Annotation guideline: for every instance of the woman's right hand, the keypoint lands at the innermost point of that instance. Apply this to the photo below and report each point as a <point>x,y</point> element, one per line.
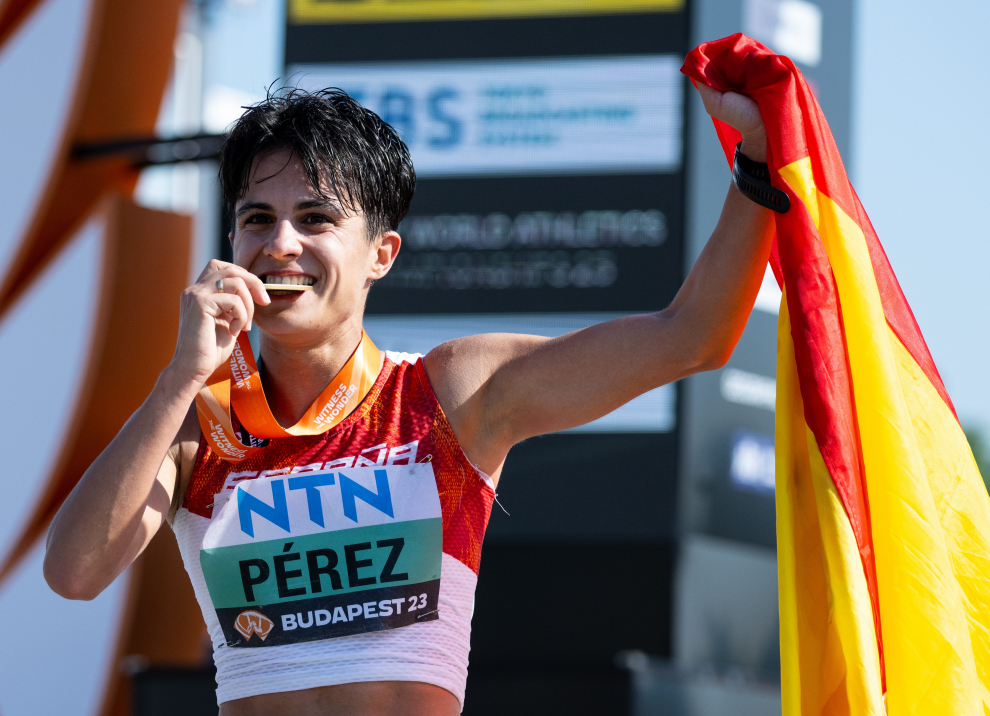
<point>120,502</point>
<point>210,321</point>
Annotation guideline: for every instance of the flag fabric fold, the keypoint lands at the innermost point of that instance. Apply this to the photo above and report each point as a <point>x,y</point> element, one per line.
<point>883,520</point>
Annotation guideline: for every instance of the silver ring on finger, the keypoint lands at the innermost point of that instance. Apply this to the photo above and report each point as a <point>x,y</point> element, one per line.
<point>219,285</point>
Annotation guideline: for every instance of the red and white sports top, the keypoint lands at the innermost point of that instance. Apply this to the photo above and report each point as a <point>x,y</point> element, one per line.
<point>303,587</point>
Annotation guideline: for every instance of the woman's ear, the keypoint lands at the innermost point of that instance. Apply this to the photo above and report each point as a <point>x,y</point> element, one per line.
<point>386,248</point>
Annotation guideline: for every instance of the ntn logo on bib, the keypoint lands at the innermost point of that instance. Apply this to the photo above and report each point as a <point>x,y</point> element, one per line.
<point>287,546</point>
<point>279,506</point>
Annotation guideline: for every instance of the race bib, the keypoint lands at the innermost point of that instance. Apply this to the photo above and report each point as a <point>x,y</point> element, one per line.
<point>317,555</point>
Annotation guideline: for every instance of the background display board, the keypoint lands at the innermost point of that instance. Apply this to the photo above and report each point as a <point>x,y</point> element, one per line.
<point>549,144</point>
<point>549,151</point>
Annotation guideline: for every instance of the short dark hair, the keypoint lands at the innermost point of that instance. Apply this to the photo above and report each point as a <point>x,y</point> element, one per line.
<point>338,142</point>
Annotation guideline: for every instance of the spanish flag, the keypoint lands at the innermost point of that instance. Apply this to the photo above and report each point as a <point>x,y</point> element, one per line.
<point>883,521</point>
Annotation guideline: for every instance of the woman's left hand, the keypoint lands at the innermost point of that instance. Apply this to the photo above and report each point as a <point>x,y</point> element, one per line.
<point>741,112</point>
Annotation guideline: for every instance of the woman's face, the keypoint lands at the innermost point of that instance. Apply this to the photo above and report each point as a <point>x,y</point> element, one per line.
<point>285,231</point>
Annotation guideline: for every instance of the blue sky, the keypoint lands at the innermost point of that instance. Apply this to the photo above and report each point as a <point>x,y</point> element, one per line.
<point>922,98</point>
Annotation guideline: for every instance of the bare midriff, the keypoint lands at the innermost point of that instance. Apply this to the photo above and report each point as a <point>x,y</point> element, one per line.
<point>396,698</point>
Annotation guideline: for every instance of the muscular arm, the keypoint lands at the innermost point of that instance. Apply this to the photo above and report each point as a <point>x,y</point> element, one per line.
<point>499,389</point>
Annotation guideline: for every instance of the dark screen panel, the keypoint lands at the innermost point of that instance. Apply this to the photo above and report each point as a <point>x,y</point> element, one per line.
<point>586,488</point>
<point>479,39</point>
<point>575,605</point>
<point>541,690</point>
<point>538,244</point>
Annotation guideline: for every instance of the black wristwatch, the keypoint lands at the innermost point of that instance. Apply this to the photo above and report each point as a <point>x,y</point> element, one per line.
<point>753,180</point>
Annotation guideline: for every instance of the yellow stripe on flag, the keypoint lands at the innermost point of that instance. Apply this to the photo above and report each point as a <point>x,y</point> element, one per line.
<point>960,499</point>
<point>928,647</point>
<point>829,658</point>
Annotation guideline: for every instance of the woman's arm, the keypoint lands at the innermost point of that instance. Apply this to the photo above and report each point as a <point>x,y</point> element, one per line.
<point>124,496</point>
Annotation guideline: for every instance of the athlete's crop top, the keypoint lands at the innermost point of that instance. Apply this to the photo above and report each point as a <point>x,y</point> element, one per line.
<point>318,561</point>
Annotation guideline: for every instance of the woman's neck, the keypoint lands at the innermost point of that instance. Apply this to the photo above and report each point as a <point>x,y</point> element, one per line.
<point>294,375</point>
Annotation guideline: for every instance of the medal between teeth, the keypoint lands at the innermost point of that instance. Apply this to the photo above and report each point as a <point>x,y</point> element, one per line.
<point>288,287</point>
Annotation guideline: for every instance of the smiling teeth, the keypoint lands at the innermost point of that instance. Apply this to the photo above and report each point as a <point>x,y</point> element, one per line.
<point>289,280</point>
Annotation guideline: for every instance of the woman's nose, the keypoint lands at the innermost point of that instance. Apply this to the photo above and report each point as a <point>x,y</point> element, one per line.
<point>284,242</point>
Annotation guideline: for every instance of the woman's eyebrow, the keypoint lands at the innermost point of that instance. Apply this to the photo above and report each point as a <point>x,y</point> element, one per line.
<point>252,206</point>
<point>319,204</point>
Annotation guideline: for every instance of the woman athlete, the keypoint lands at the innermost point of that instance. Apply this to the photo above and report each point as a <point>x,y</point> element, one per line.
<point>336,560</point>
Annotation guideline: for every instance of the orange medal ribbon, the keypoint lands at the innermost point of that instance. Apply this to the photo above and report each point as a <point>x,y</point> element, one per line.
<point>237,383</point>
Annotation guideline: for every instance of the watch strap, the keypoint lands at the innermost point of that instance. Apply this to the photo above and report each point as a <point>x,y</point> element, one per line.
<point>753,180</point>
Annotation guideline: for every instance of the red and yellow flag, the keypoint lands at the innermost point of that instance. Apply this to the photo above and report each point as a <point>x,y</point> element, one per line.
<point>883,521</point>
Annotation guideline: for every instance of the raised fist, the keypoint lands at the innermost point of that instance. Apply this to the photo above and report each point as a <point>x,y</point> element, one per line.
<point>740,112</point>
